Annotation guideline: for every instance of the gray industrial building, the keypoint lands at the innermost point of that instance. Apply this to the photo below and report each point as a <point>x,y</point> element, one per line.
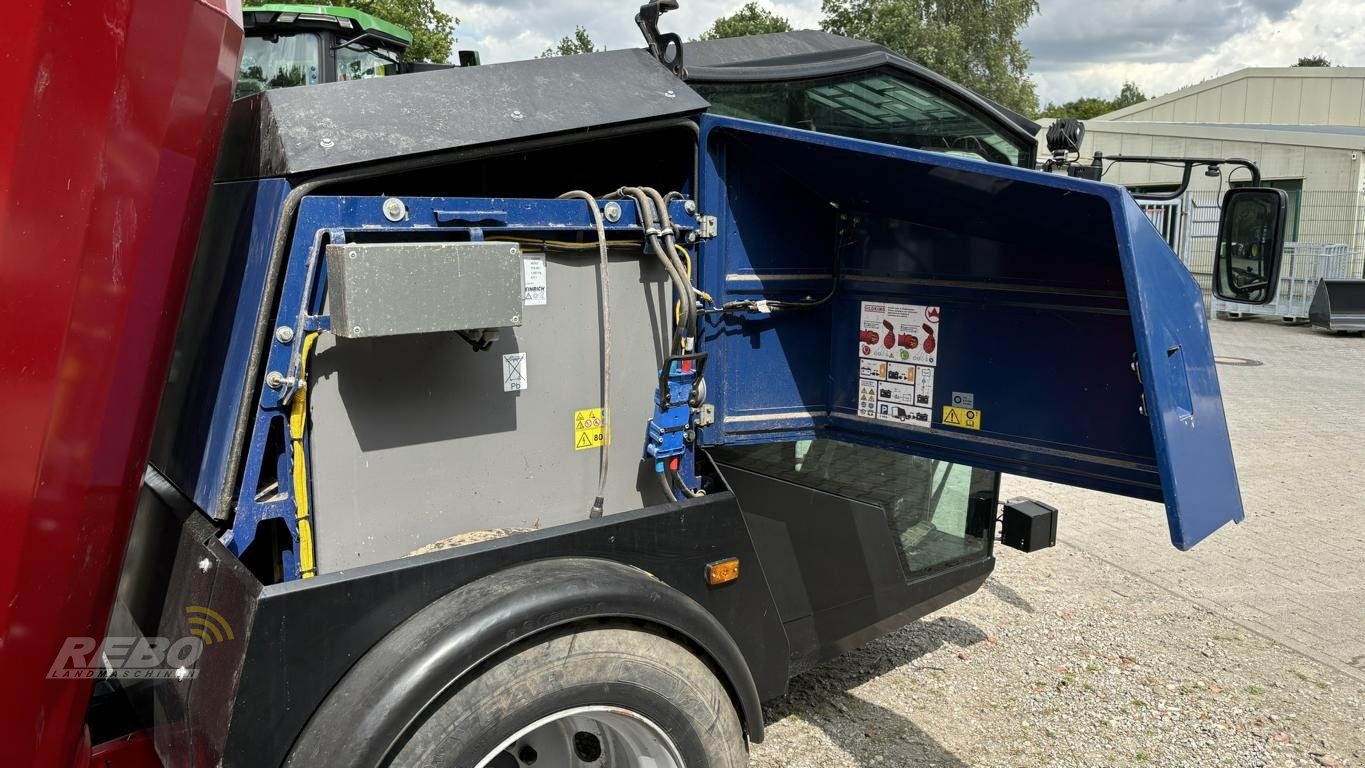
<point>1304,127</point>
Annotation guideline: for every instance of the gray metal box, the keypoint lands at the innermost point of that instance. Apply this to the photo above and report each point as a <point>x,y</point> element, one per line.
<point>393,289</point>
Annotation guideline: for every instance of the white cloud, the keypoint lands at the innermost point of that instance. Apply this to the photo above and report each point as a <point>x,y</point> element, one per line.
<point>522,29</point>
<point>1334,28</point>
<point>1079,47</point>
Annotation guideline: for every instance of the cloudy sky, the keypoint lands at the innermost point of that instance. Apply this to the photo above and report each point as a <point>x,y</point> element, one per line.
<point>1080,47</point>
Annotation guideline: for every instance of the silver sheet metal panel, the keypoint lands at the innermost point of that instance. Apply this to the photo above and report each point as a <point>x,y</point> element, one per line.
<point>398,288</point>
<point>415,438</point>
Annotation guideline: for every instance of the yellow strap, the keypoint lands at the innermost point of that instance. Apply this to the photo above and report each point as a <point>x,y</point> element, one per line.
<point>298,418</point>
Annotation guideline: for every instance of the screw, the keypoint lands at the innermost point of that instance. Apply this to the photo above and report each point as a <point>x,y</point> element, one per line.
<point>513,250</point>
<point>351,254</point>
<point>690,206</point>
<point>516,318</point>
<point>395,210</point>
<point>327,142</point>
<point>517,115</point>
<point>669,94</point>
<point>355,329</point>
<point>205,565</point>
<point>612,212</point>
<point>274,379</point>
<point>284,334</point>
<point>691,237</point>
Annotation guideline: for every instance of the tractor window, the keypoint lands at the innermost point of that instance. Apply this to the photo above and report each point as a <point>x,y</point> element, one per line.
<point>362,64</point>
<point>927,503</point>
<point>877,106</point>
<point>278,61</point>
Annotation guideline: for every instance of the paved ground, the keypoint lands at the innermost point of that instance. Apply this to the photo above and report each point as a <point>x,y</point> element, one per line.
<point>1114,648</point>
<point>1295,570</point>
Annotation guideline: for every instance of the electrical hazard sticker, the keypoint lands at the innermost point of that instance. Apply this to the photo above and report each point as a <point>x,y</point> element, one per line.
<point>898,347</point>
<point>589,430</point>
<point>961,417</point>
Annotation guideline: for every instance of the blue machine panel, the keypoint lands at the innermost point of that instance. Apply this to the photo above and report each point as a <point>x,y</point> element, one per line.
<point>1068,342</point>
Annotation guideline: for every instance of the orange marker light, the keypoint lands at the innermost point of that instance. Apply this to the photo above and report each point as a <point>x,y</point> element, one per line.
<point>722,571</point>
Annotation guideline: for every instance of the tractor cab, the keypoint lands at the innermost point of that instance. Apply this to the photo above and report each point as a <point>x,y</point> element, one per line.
<point>287,45</point>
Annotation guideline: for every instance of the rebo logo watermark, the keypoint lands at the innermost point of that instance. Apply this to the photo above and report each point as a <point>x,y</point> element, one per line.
<point>143,658</point>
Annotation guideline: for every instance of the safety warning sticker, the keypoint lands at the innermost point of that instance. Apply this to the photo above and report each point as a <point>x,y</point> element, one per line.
<point>965,418</point>
<point>898,347</point>
<point>589,430</point>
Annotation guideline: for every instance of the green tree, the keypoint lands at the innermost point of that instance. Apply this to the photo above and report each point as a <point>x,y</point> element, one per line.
<point>568,45</point>
<point>751,19</point>
<point>1313,61</point>
<point>973,42</point>
<point>433,32</point>
<point>1094,106</point>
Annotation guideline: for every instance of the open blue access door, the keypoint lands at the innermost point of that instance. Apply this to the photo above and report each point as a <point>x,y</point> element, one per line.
<point>941,305</point>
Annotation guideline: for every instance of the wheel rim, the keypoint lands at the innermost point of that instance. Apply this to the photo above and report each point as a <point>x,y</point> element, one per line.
<point>616,737</point>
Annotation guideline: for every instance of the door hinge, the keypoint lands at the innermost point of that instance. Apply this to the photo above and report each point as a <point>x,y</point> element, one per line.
<point>706,227</point>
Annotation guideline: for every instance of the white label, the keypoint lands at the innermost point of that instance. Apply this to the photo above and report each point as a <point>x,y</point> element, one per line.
<point>533,272</point>
<point>898,348</point>
<point>514,372</point>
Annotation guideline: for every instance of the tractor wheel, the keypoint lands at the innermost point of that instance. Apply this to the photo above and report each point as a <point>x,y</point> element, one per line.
<point>602,697</point>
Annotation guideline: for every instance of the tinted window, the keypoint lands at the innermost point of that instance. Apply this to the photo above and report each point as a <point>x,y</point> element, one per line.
<point>927,503</point>
<point>878,107</point>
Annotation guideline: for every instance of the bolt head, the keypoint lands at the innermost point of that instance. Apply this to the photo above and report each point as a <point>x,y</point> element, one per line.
<point>691,237</point>
<point>394,209</point>
<point>356,330</point>
<point>670,95</point>
<point>612,212</point>
<point>516,318</point>
<point>690,206</point>
<point>327,142</point>
<point>517,115</point>
<point>274,379</point>
<point>284,334</point>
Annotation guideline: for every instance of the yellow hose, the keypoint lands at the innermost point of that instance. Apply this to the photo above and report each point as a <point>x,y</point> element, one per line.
<point>298,418</point>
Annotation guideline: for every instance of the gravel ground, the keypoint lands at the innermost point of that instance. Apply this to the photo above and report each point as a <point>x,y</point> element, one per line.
<point>1063,660</point>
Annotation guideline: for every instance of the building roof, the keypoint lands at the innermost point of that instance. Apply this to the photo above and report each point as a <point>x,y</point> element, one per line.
<point>1262,95</point>
<point>1329,136</point>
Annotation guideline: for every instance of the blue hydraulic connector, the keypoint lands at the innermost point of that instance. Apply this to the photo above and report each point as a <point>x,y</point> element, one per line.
<point>673,402</point>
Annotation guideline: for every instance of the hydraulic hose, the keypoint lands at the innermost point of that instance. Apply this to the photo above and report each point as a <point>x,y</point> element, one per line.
<point>680,284</point>
<point>605,284</point>
<point>670,246</point>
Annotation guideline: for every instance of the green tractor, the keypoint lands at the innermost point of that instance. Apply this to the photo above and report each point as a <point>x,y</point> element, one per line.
<point>287,45</point>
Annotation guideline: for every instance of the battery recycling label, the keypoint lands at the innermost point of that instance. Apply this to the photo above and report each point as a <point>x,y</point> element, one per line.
<point>898,348</point>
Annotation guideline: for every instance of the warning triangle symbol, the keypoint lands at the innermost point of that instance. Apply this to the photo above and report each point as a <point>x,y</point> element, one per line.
<point>952,417</point>
<point>583,441</point>
<point>578,424</point>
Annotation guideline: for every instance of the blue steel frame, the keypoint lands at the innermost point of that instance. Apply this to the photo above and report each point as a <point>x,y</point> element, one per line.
<point>325,220</point>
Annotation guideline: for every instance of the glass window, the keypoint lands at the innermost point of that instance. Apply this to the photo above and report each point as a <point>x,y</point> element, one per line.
<point>875,106</point>
<point>361,64</point>
<point>277,61</point>
<point>927,503</point>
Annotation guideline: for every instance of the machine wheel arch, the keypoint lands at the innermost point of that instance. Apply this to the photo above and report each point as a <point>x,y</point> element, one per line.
<point>425,660</point>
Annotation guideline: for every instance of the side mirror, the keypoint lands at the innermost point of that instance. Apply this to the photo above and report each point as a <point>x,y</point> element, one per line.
<point>1246,267</point>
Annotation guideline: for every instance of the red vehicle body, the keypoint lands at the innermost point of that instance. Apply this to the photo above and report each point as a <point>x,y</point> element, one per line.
<point>109,127</point>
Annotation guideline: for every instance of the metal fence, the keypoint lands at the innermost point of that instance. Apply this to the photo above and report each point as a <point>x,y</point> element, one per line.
<point>1317,222</point>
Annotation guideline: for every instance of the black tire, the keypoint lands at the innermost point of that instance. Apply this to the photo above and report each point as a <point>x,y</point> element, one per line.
<point>636,670</point>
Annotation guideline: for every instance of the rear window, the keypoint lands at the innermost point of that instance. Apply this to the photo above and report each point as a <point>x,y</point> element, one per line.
<point>877,106</point>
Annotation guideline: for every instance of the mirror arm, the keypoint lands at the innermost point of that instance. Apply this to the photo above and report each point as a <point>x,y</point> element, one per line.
<point>1189,164</point>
